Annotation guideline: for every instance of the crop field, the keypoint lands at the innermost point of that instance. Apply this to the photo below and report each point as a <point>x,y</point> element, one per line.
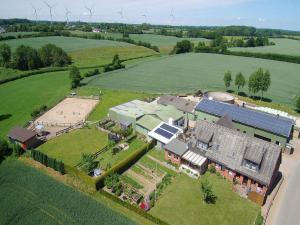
<point>19,98</point>
<point>15,34</point>
<point>104,55</point>
<point>229,208</point>
<point>67,43</point>
<point>191,72</point>
<point>282,46</point>
<point>69,147</point>
<point>29,196</point>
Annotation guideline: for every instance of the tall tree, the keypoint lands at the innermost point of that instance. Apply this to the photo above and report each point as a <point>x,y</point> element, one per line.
<point>253,83</point>
<point>227,79</point>
<point>240,80</point>
<point>183,47</point>
<point>5,55</point>
<point>75,77</point>
<point>265,82</point>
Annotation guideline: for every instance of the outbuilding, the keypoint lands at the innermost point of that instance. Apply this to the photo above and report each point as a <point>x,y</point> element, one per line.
<point>24,137</point>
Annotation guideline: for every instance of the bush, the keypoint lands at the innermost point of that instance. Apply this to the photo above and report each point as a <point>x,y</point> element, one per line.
<point>4,148</point>
<point>39,111</point>
<point>92,73</point>
<point>212,169</point>
<point>208,196</point>
<point>17,150</point>
<point>259,220</point>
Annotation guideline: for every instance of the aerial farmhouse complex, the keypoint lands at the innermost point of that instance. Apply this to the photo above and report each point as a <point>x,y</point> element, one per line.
<point>242,144</point>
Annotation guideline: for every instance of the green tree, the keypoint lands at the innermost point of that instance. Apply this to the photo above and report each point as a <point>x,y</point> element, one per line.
<point>265,82</point>
<point>227,79</point>
<point>208,196</point>
<point>239,80</point>
<point>88,164</point>
<point>254,83</point>
<point>4,148</point>
<point>5,55</point>
<point>183,47</point>
<point>75,77</point>
<point>298,104</point>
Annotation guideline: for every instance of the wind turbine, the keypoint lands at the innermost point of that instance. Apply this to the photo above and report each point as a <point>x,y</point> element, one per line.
<point>121,13</point>
<point>172,16</point>
<point>145,17</point>
<point>90,10</point>
<point>68,12</point>
<point>50,9</point>
<point>35,12</point>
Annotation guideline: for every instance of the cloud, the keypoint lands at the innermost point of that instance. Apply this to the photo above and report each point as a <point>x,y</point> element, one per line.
<point>261,20</point>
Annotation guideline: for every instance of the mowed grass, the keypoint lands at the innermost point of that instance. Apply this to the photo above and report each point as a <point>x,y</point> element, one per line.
<point>109,98</point>
<point>104,55</point>
<point>70,147</point>
<point>19,98</point>
<point>190,72</point>
<point>282,46</point>
<point>29,196</point>
<point>67,43</point>
<point>182,203</point>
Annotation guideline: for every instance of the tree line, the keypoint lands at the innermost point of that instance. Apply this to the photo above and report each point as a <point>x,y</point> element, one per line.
<point>28,58</point>
<point>259,81</point>
<point>48,161</point>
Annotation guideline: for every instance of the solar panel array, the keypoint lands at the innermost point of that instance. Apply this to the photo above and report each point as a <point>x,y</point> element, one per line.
<point>274,124</point>
<point>163,133</point>
<point>166,127</point>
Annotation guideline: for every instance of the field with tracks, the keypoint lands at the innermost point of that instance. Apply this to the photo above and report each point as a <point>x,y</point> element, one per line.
<point>282,46</point>
<point>190,72</point>
<point>28,196</point>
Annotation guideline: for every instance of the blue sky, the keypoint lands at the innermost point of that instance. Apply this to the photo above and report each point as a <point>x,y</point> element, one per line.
<point>284,14</point>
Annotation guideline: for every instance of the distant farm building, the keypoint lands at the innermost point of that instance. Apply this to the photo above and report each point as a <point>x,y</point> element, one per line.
<point>2,30</point>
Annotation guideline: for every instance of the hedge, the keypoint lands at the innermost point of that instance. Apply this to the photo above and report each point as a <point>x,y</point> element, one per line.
<point>124,164</point>
<point>133,208</point>
<point>48,161</point>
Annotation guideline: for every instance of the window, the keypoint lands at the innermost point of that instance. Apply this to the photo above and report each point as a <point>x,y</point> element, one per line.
<point>169,154</point>
<point>176,157</point>
<point>202,145</point>
<point>250,165</point>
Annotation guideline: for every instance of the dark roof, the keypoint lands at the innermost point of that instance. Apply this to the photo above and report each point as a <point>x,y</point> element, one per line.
<point>234,147</point>
<point>264,121</point>
<point>226,121</point>
<point>176,146</point>
<point>21,134</point>
<point>179,103</point>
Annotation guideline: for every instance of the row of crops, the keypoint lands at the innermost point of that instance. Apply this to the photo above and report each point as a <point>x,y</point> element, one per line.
<point>31,197</point>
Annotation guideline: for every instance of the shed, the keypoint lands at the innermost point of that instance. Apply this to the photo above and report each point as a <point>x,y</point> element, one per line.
<point>26,138</point>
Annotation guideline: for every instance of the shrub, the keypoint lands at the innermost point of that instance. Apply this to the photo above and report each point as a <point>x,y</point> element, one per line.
<point>212,169</point>
<point>4,148</point>
<point>208,196</point>
<point>37,112</point>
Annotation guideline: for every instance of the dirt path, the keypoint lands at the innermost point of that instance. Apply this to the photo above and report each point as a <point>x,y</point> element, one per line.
<point>149,186</point>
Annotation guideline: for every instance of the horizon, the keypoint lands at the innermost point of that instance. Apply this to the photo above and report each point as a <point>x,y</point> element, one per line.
<point>259,14</point>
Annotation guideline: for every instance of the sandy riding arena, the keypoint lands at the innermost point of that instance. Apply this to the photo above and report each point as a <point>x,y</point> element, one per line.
<point>68,112</point>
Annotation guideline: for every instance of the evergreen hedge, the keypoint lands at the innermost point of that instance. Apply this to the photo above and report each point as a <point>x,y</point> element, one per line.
<point>48,161</point>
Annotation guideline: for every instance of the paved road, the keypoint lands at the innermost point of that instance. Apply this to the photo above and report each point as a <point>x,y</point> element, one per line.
<point>289,213</point>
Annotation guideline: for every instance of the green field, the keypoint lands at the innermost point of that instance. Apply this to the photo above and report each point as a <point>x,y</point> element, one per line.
<point>182,203</point>
<point>282,46</point>
<point>67,43</point>
<point>104,55</point>
<point>29,196</point>
<point>69,147</point>
<point>190,72</point>
<point>15,34</point>
<point>19,98</point>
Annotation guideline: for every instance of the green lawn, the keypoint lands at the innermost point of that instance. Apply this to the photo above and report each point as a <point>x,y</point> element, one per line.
<point>15,34</point>
<point>29,196</point>
<point>67,43</point>
<point>19,98</point>
<point>182,203</point>
<point>282,46</point>
<point>108,158</point>
<point>69,147</point>
<point>157,153</point>
<point>190,72</point>
<point>104,55</point>
<point>109,99</point>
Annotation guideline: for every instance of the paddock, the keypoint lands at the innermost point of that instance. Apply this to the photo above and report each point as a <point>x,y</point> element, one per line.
<point>68,112</point>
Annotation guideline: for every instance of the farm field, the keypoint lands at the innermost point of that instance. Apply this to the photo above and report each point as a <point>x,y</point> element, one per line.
<point>190,72</point>
<point>69,147</point>
<point>282,46</point>
<point>48,201</point>
<point>104,55</point>
<point>165,43</point>
<point>182,203</point>
<point>67,43</point>
<point>15,34</point>
<point>19,98</point>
